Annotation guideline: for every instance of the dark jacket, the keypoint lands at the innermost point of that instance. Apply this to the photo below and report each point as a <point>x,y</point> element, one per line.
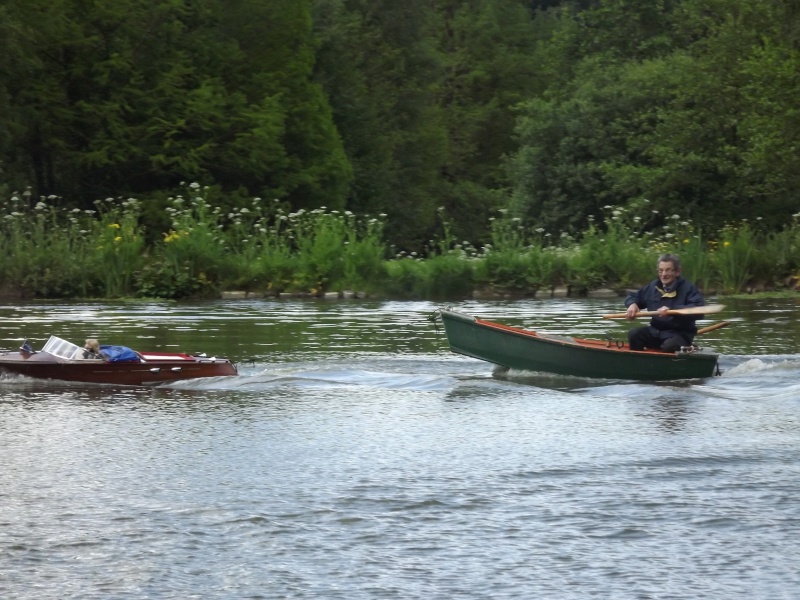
<point>651,297</point>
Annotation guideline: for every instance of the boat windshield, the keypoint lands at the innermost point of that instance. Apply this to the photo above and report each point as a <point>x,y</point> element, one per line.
<point>61,348</point>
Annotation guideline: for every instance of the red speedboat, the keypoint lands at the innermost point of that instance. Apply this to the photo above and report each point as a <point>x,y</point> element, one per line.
<point>60,359</point>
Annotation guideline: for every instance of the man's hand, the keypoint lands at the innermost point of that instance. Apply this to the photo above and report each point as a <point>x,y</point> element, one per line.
<point>662,311</point>
<point>632,311</point>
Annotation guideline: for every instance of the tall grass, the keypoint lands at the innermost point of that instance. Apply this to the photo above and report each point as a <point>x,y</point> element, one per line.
<point>697,260</point>
<point>607,255</point>
<point>733,257</point>
<point>446,272</point>
<point>48,249</point>
<point>119,243</point>
<point>512,262</point>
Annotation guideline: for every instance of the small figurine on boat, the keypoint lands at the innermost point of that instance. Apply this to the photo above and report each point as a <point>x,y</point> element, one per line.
<point>63,360</point>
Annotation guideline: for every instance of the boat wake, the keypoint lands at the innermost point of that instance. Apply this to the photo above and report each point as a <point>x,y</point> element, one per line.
<point>321,378</point>
<point>750,365</point>
<point>756,378</point>
<point>546,380</point>
<point>738,373</point>
<point>742,376</point>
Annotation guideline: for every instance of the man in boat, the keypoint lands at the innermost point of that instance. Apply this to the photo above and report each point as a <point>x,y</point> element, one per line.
<point>668,292</point>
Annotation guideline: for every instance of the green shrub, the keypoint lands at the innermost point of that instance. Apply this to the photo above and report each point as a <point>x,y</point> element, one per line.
<point>733,258</point>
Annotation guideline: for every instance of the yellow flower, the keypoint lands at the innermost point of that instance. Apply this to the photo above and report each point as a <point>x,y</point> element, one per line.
<point>114,226</point>
<point>726,244</point>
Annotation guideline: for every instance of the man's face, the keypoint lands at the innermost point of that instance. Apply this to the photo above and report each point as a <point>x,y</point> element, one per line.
<point>667,273</point>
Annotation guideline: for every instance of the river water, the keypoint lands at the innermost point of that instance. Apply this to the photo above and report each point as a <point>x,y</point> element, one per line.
<point>354,456</point>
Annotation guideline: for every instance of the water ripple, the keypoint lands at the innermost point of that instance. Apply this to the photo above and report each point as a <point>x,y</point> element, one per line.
<point>385,467</point>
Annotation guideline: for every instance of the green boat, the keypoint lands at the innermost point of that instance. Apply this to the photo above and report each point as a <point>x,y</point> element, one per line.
<point>526,350</point>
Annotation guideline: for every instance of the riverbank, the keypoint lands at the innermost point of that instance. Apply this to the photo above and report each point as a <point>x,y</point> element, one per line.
<point>560,292</point>
<point>10,293</point>
<point>262,251</point>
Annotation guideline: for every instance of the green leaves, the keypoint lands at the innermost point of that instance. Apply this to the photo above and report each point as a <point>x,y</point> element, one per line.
<point>402,107</point>
<point>129,97</point>
<point>703,121</point>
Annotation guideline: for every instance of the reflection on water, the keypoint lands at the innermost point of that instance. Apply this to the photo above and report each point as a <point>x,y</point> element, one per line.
<point>672,414</point>
<point>356,457</point>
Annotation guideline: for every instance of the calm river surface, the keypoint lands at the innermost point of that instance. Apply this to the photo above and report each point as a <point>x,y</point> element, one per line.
<point>354,456</point>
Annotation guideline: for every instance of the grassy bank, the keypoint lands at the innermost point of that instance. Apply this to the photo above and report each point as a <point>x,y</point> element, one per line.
<point>193,250</point>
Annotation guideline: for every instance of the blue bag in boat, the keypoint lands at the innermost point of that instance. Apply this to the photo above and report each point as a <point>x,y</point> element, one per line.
<point>119,354</point>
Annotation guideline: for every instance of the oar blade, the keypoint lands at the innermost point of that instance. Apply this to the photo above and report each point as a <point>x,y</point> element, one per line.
<point>698,310</point>
<point>692,310</point>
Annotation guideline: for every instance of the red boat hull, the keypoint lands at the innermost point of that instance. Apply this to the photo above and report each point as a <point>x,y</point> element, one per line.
<point>152,369</point>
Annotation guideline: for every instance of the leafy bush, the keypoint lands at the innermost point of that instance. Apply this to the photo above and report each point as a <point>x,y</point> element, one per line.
<point>50,250</point>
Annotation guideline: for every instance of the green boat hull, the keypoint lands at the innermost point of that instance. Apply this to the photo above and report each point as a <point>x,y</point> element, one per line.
<point>527,350</point>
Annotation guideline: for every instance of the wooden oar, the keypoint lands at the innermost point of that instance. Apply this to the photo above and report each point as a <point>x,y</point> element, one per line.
<point>713,327</point>
<point>692,310</point>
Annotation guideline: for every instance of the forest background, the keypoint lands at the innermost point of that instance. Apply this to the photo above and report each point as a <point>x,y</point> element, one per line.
<point>176,148</point>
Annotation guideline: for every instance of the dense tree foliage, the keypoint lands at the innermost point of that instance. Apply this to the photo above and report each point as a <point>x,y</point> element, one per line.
<point>130,96</point>
<point>550,108</point>
<point>692,108</point>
